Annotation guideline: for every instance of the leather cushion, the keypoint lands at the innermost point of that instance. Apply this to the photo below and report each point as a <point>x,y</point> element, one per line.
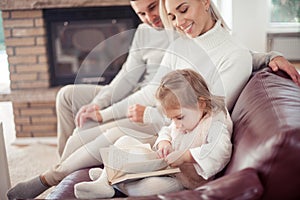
<point>243,184</point>
<point>266,136</point>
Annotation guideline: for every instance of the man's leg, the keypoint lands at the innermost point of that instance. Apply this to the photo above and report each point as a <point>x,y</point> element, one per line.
<point>69,100</point>
<point>86,156</point>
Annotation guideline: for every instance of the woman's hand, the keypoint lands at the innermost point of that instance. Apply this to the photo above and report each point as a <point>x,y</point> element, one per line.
<point>90,111</point>
<point>177,158</point>
<point>136,113</point>
<point>164,148</point>
<point>280,62</point>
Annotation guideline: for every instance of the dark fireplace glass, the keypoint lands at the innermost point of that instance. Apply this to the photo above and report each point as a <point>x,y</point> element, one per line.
<point>88,45</point>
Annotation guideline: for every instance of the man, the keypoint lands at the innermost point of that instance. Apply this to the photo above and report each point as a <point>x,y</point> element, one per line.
<point>136,72</point>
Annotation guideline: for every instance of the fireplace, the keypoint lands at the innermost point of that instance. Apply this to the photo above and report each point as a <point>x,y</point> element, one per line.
<point>29,46</point>
<point>74,34</point>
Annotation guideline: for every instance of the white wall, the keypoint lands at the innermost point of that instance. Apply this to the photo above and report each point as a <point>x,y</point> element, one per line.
<point>249,23</point>
<point>225,8</point>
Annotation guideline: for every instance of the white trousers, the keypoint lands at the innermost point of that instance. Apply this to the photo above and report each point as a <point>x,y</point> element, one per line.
<point>82,148</point>
<point>69,100</point>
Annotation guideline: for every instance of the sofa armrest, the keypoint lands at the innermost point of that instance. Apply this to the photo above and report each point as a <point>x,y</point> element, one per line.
<point>243,184</point>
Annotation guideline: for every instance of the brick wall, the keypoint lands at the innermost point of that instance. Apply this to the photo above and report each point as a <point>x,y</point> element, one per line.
<point>33,119</point>
<point>25,40</point>
<point>33,100</point>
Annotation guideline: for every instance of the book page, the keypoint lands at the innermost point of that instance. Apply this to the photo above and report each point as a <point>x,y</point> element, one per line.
<point>132,160</point>
<point>134,154</point>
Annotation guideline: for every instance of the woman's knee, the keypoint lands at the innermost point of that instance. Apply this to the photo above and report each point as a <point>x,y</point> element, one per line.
<point>126,141</point>
<point>113,134</point>
<point>76,139</point>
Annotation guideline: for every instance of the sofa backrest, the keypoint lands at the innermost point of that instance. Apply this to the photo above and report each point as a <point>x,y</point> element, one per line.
<point>266,134</point>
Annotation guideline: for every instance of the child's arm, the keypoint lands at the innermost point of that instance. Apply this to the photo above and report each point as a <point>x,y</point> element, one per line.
<point>213,156</point>
<point>177,158</point>
<point>163,135</point>
<point>163,144</point>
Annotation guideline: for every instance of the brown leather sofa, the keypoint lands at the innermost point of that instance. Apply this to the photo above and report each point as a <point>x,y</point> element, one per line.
<point>266,147</point>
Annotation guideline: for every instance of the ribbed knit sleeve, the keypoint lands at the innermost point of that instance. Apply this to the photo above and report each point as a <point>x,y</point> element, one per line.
<point>213,156</point>
<point>128,77</point>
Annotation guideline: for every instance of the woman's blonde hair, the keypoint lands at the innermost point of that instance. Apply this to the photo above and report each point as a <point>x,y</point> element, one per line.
<point>187,88</point>
<point>215,14</point>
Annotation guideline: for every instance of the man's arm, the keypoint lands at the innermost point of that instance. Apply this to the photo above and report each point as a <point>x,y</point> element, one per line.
<point>121,86</point>
<point>128,77</point>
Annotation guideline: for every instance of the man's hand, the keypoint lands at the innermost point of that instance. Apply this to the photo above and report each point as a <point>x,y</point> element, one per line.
<point>177,158</point>
<point>90,111</point>
<point>280,62</point>
<point>136,113</point>
<point>164,148</point>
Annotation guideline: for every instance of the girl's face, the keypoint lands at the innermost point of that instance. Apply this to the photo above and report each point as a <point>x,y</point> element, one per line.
<point>148,12</point>
<point>190,16</point>
<point>185,119</point>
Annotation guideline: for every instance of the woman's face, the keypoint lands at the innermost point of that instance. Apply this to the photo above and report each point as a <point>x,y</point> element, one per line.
<point>190,16</point>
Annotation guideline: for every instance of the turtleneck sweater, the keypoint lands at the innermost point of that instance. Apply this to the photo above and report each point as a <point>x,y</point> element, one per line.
<point>223,62</point>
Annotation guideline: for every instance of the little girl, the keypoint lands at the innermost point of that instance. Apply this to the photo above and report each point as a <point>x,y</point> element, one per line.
<point>197,141</point>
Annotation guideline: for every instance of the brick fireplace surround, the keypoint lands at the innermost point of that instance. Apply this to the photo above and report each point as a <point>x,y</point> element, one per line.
<point>25,38</point>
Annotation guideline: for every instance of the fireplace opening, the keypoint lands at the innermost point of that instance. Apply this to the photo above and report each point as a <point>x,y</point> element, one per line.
<point>88,45</point>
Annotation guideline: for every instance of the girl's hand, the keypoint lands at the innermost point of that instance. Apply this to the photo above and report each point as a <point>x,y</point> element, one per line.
<point>177,158</point>
<point>164,148</point>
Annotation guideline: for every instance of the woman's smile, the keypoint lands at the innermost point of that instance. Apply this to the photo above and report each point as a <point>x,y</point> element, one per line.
<point>188,29</point>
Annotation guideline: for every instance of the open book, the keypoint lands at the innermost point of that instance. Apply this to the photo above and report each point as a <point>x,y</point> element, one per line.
<point>134,162</point>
